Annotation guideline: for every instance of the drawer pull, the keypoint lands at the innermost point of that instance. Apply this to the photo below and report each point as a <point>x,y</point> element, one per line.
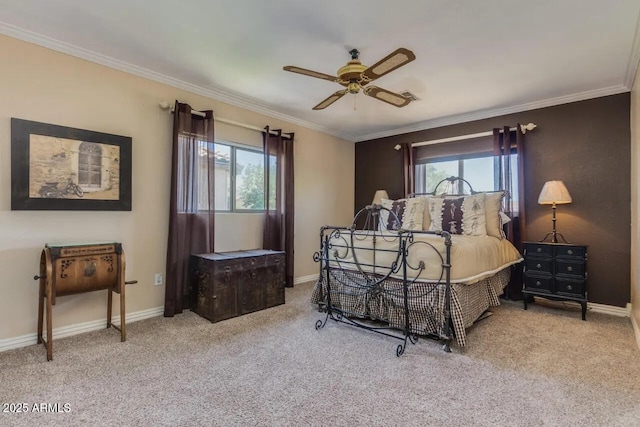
<point>569,268</point>
<point>570,252</point>
<point>538,266</point>
<point>538,283</point>
<point>569,287</point>
<point>539,249</point>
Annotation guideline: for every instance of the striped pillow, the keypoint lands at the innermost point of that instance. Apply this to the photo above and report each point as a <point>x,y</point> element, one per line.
<point>459,215</point>
<point>409,213</point>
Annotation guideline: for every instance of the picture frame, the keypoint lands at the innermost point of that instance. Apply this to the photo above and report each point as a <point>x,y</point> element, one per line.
<point>61,168</point>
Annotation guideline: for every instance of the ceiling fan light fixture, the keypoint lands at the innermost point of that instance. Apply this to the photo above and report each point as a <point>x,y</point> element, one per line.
<point>353,87</point>
<point>351,71</point>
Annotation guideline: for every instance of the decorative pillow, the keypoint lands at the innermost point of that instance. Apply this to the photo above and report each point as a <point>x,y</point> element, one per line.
<point>410,213</point>
<point>493,208</point>
<point>461,215</point>
<point>426,217</point>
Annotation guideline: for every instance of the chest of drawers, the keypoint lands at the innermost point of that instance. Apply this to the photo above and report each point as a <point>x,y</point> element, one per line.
<point>230,284</point>
<point>556,271</point>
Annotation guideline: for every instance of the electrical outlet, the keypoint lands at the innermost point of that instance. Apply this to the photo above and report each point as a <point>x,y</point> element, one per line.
<point>158,281</point>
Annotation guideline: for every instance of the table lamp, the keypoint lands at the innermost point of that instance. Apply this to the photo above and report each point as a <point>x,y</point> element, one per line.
<point>554,193</point>
<point>377,198</point>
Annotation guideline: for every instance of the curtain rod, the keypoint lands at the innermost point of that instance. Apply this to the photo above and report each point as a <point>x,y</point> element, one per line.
<point>524,128</point>
<point>166,106</point>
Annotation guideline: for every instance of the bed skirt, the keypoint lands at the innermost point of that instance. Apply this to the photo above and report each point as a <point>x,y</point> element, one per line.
<point>426,301</point>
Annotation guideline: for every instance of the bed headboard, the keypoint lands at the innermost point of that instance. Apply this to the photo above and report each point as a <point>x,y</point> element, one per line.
<point>448,188</point>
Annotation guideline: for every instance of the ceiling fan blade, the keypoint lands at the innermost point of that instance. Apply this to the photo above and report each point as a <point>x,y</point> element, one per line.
<point>387,64</point>
<point>389,97</point>
<point>310,73</point>
<point>330,100</point>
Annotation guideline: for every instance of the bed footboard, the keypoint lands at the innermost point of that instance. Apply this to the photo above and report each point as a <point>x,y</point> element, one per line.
<point>367,274</point>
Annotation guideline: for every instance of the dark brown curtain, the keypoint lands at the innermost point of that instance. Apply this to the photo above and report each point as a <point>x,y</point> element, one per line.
<point>279,207</point>
<point>408,166</point>
<point>506,143</point>
<point>192,203</point>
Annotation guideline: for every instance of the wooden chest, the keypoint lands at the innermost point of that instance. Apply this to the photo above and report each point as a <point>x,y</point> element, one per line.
<point>230,284</point>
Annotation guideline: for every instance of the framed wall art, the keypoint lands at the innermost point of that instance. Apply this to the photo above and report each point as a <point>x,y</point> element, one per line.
<point>60,168</point>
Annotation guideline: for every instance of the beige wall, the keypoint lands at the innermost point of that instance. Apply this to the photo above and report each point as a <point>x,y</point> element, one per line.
<point>46,86</point>
<point>635,202</point>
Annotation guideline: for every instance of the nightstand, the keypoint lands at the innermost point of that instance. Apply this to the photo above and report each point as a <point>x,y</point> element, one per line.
<point>556,271</point>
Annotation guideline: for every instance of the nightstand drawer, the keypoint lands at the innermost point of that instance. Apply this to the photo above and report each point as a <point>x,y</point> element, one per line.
<point>538,283</point>
<point>571,251</point>
<point>538,249</point>
<point>538,264</point>
<point>571,267</point>
<point>570,286</point>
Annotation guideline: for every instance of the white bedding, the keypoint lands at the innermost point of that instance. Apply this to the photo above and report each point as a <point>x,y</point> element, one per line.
<point>473,258</point>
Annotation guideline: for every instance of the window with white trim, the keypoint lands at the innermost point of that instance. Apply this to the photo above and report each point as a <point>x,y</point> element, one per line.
<point>239,178</point>
<point>479,169</point>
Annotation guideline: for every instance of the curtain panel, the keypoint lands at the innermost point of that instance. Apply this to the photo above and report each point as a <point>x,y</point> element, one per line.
<point>408,167</point>
<point>192,203</point>
<point>505,143</point>
<point>279,196</point>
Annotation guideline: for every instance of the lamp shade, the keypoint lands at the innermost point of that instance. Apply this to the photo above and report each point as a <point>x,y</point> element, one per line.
<point>380,194</point>
<point>554,192</point>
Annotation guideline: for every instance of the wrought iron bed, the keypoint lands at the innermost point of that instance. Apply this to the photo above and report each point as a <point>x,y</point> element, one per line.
<point>370,274</point>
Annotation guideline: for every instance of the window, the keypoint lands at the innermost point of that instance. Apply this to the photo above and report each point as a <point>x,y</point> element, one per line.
<point>239,174</point>
<point>480,170</point>
<point>90,165</point>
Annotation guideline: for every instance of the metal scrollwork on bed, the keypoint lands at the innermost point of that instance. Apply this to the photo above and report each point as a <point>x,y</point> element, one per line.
<point>368,279</point>
<point>447,186</point>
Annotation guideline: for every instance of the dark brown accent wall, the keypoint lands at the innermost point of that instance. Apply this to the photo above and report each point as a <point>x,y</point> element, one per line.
<point>586,144</point>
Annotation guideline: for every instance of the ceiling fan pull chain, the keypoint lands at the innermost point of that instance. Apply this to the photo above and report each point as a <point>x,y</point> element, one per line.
<point>354,101</point>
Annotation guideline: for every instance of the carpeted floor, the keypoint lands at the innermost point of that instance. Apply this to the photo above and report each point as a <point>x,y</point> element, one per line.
<point>541,367</point>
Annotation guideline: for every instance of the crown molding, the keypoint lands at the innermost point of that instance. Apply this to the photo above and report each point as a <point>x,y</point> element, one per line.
<point>634,58</point>
<point>255,105</point>
<point>486,114</point>
<point>214,92</point>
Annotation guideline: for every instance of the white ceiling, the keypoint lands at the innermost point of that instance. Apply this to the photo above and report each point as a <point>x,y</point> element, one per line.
<point>475,59</point>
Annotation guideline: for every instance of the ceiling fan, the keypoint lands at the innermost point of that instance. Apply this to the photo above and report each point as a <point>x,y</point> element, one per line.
<point>355,76</point>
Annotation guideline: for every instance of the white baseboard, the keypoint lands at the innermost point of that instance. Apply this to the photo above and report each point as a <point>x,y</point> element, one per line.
<point>593,307</point>
<point>305,279</point>
<point>608,309</point>
<point>636,327</point>
<point>78,328</point>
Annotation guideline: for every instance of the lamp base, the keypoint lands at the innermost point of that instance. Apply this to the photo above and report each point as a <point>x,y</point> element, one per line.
<point>554,237</point>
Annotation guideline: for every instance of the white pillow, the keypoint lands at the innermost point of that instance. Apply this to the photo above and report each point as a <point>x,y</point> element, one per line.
<point>493,208</point>
<point>410,213</point>
<point>426,217</point>
<point>504,218</point>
